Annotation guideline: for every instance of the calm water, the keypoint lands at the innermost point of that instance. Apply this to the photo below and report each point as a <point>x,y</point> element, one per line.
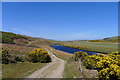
<point>69,50</point>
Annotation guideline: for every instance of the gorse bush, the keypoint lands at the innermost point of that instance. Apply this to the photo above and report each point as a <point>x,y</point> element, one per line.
<point>89,62</point>
<point>39,55</point>
<point>116,40</point>
<point>108,66</point>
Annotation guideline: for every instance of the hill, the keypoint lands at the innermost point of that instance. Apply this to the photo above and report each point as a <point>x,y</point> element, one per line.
<point>12,38</point>
<point>8,37</point>
<point>112,38</point>
<point>17,49</point>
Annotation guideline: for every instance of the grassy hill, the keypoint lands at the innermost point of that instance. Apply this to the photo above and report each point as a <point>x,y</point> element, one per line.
<point>12,38</point>
<point>115,39</point>
<point>112,38</point>
<point>19,46</point>
<point>8,37</point>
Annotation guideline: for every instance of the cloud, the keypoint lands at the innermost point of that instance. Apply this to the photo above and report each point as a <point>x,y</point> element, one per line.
<point>19,31</point>
<point>77,36</point>
<point>60,37</point>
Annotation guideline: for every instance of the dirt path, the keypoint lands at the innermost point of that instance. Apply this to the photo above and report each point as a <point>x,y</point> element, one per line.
<point>53,69</point>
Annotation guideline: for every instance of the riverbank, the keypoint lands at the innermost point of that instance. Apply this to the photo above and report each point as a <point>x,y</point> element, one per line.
<point>69,49</point>
<point>72,67</point>
<point>101,47</point>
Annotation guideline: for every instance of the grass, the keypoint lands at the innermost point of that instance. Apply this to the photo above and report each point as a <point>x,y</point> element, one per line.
<point>18,49</point>
<point>101,47</point>
<point>72,69</point>
<point>39,43</point>
<point>0,70</point>
<point>20,70</point>
<point>112,38</point>
<point>8,37</point>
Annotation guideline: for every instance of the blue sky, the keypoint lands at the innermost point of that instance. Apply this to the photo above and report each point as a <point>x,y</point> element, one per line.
<point>62,20</point>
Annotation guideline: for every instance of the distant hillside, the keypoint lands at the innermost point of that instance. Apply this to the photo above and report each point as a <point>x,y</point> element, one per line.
<point>115,39</point>
<point>12,38</point>
<point>8,37</point>
<point>112,38</point>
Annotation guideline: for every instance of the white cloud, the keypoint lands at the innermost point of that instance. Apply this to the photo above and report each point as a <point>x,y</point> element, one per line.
<point>19,31</point>
<point>77,36</point>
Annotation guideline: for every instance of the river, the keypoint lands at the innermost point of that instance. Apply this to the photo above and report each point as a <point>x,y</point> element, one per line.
<point>69,50</point>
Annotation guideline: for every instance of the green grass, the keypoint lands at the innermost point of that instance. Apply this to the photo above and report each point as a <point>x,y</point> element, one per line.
<point>94,46</point>
<point>98,44</point>
<point>72,69</point>
<point>0,69</point>
<point>112,38</point>
<point>8,37</point>
<point>20,70</point>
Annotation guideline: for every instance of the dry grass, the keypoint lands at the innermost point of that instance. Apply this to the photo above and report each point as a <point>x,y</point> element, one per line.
<point>61,54</point>
<point>18,49</point>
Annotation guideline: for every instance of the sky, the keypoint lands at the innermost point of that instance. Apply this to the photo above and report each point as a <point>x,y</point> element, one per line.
<point>60,0</point>
<point>61,20</point>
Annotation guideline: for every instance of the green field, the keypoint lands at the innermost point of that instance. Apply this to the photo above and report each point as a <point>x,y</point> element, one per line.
<point>101,47</point>
<point>20,70</point>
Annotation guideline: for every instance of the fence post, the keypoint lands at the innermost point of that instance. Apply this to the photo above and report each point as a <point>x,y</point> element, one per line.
<point>79,61</point>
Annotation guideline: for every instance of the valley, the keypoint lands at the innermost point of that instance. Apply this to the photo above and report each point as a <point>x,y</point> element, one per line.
<point>62,65</point>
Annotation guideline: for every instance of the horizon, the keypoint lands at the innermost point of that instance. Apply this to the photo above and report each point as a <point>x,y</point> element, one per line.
<point>58,40</point>
<point>61,21</point>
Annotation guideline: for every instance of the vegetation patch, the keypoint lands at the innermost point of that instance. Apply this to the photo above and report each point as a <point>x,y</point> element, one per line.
<point>8,37</point>
<point>94,47</point>
<point>39,55</point>
<point>72,69</point>
<point>20,70</point>
<point>108,66</point>
<point>18,49</point>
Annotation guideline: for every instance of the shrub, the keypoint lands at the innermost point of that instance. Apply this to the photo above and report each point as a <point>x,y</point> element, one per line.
<point>19,58</point>
<point>90,62</point>
<point>80,55</point>
<point>5,56</point>
<point>108,66</point>
<point>39,55</point>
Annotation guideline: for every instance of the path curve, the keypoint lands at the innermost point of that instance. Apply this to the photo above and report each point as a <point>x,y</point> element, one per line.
<point>53,69</point>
